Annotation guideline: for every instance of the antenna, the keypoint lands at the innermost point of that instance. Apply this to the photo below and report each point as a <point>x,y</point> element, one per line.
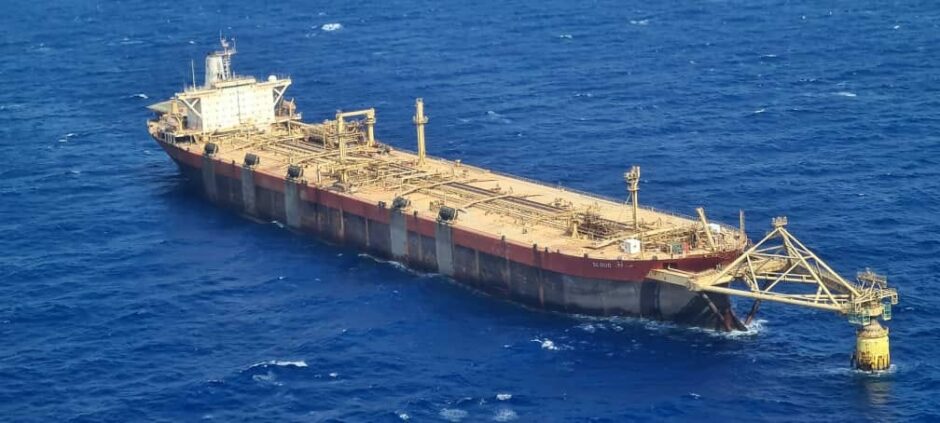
<point>192,67</point>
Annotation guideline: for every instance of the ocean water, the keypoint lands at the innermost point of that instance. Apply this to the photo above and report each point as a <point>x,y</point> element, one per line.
<point>126,297</point>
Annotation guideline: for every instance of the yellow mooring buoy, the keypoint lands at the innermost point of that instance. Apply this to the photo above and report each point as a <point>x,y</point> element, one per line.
<point>872,352</point>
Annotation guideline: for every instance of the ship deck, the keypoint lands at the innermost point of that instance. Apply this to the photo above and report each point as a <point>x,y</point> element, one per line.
<point>525,211</point>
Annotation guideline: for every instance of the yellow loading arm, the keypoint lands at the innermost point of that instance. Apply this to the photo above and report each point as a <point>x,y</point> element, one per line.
<point>780,268</point>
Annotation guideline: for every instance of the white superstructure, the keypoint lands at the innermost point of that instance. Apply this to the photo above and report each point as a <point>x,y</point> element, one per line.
<point>226,101</point>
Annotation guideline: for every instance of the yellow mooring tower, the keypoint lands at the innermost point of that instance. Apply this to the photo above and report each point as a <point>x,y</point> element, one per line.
<point>872,350</point>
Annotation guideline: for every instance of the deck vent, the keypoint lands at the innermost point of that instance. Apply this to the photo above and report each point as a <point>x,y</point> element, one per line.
<point>295,171</point>
<point>447,214</point>
<point>400,203</point>
<point>252,160</point>
<point>211,148</point>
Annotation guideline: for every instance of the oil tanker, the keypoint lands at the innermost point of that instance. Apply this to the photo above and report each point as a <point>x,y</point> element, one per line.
<point>245,146</point>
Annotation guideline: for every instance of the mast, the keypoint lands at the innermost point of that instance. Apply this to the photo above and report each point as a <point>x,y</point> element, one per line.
<point>633,180</point>
<point>420,120</point>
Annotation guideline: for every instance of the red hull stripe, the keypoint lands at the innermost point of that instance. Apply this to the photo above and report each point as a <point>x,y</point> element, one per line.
<point>532,255</point>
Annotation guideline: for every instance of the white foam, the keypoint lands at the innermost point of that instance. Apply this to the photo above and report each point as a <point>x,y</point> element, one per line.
<point>693,395</point>
<point>504,397</point>
<point>756,327</point>
<point>398,265</point>
<point>280,363</point>
<point>547,344</point>
<point>846,94</point>
<point>588,327</point>
<point>505,415</point>
<point>334,375</point>
<point>334,26</point>
<point>266,378</point>
<point>140,95</point>
<point>759,111</point>
<point>497,117</point>
<point>614,323</point>
<point>641,22</point>
<point>453,414</point>
<point>566,36</point>
<point>403,416</point>
<point>892,369</point>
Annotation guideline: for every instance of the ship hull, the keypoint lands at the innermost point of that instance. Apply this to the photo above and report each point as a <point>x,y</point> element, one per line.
<point>527,275</point>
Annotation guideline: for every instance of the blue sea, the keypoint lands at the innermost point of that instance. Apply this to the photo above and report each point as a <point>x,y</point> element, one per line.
<point>126,297</point>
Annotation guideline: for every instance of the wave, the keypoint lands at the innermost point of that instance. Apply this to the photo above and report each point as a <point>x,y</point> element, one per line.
<point>67,137</point>
<point>453,414</point>
<point>756,327</point>
<point>593,324</point>
<point>269,378</point>
<point>491,115</point>
<point>548,344</point>
<point>505,415</point>
<point>846,94</point>
<point>334,26</point>
<point>504,396</point>
<point>280,363</point>
<point>398,265</point>
<point>892,369</point>
<point>129,42</point>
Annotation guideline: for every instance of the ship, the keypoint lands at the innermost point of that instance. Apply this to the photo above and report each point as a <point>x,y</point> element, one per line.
<point>245,146</point>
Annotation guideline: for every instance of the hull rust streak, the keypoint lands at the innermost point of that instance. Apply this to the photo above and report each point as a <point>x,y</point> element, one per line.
<point>524,274</point>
